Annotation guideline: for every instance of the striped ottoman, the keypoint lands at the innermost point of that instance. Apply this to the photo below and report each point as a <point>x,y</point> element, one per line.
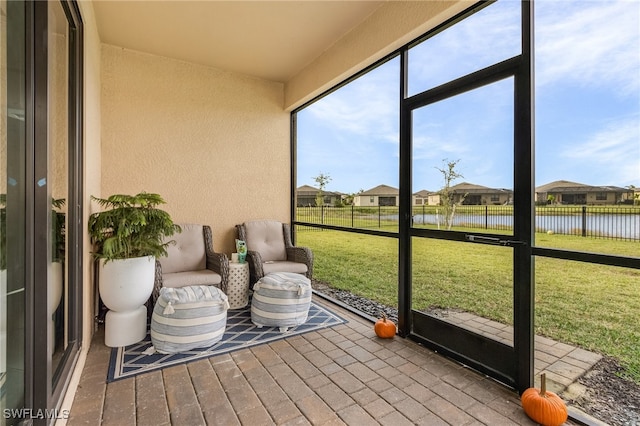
<point>188,317</point>
<point>281,299</point>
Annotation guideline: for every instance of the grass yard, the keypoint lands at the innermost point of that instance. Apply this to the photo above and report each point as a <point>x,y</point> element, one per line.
<point>593,306</point>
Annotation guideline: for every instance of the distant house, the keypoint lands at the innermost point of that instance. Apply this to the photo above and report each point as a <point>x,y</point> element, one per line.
<point>421,198</point>
<point>381,195</point>
<point>433,199</point>
<point>470,194</point>
<point>632,196</point>
<point>566,192</point>
<point>306,196</point>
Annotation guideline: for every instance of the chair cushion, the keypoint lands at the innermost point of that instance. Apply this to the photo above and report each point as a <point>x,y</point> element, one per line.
<point>266,237</point>
<point>284,266</point>
<point>188,252</point>
<point>183,279</point>
<point>187,318</point>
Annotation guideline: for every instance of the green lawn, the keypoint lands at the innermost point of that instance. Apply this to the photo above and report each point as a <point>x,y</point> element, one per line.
<point>595,307</point>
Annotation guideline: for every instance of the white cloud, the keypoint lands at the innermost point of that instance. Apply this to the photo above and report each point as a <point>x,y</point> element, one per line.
<point>367,107</point>
<point>580,45</point>
<point>434,149</point>
<point>491,35</point>
<point>614,152</point>
<point>589,43</point>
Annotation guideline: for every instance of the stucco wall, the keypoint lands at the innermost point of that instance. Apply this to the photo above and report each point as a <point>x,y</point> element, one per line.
<point>214,144</point>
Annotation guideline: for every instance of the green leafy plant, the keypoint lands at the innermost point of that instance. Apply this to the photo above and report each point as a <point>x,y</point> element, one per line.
<point>57,230</point>
<point>130,226</point>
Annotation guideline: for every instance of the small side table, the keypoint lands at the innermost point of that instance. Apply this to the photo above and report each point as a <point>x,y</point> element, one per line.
<point>238,289</point>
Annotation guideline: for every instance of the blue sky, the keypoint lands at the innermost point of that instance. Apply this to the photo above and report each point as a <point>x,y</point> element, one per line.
<point>587,105</point>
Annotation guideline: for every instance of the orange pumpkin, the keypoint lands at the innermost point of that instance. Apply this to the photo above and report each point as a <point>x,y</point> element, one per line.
<point>543,406</point>
<point>384,328</point>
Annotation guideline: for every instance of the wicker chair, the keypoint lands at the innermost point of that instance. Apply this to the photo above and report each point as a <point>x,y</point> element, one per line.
<point>191,261</point>
<point>269,249</point>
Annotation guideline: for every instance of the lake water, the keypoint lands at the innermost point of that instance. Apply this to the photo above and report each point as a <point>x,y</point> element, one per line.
<point>611,225</point>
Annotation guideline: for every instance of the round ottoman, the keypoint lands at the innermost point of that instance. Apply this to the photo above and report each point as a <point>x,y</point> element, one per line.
<point>281,299</point>
<point>188,317</point>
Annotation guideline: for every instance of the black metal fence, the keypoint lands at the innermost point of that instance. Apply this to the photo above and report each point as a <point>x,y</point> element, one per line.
<point>612,222</point>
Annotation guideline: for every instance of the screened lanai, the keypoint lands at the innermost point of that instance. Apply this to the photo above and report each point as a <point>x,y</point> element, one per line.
<point>226,108</point>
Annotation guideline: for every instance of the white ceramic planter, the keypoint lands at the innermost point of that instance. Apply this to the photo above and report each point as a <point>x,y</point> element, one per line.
<point>125,285</point>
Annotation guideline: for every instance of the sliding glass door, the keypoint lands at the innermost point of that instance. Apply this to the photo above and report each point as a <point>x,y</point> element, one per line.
<point>468,146</point>
<point>40,199</point>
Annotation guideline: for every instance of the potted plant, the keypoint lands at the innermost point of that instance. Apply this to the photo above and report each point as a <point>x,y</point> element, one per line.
<point>56,266</point>
<point>128,235</point>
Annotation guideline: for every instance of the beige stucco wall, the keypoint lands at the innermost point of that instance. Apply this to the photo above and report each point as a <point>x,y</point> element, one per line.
<point>386,30</point>
<point>58,109</point>
<point>365,200</point>
<point>214,144</point>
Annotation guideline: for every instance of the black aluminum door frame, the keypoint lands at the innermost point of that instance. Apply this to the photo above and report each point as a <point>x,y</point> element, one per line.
<point>511,365</point>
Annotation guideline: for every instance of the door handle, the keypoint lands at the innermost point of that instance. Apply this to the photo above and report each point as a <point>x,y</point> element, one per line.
<point>482,239</point>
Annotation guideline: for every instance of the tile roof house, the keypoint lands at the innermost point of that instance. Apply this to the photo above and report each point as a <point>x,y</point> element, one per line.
<point>421,198</point>
<point>381,195</point>
<point>567,192</point>
<point>472,194</point>
<point>306,196</point>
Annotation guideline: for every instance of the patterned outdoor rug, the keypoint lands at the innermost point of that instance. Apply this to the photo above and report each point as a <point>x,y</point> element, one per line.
<point>240,333</point>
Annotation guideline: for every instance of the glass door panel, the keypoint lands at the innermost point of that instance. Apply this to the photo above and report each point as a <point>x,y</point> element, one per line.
<point>469,285</point>
<point>462,227</point>
<point>58,128</point>
<point>463,162</point>
<point>488,36</point>
<point>12,206</point>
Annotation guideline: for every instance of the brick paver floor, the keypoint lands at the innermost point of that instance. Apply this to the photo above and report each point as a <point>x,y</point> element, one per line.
<point>340,375</point>
<point>562,363</point>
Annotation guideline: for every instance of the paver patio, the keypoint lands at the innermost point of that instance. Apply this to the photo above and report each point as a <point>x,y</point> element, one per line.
<point>339,375</point>
<point>562,363</point>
